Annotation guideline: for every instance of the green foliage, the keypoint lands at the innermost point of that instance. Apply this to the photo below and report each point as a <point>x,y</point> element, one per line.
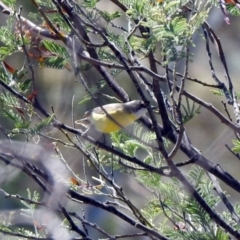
<point>30,207</point>
<point>231,8</point>
<point>131,146</point>
<point>25,85</point>
<point>41,125</point>
<point>52,14</point>
<point>168,24</point>
<point>189,111</point>
<point>20,115</point>
<point>6,220</point>
<point>236,146</point>
<point>46,4</point>
<point>10,107</point>
<point>6,225</point>
<point>229,219</point>
<point>58,55</point>
<point>218,92</point>
<point>110,16</point>
<point>172,202</point>
<point>55,48</point>
<point>130,143</point>
<point>90,3</point>
<point>10,3</point>
<point>7,37</point>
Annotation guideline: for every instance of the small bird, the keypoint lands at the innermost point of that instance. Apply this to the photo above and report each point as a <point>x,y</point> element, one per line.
<point>120,116</point>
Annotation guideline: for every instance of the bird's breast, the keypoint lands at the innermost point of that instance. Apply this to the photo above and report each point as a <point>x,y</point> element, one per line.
<point>104,124</point>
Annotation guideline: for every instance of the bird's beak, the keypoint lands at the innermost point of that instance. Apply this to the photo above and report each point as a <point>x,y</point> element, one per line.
<point>83,122</point>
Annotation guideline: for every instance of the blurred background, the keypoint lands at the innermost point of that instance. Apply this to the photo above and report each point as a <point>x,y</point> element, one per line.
<point>57,87</point>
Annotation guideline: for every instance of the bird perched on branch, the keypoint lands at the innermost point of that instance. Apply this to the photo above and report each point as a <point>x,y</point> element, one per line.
<point>114,116</point>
